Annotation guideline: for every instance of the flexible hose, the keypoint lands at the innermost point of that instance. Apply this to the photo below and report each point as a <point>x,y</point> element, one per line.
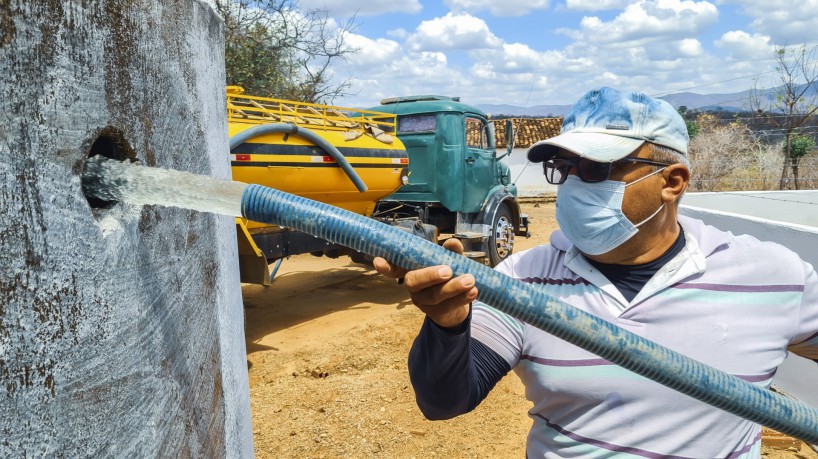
<point>533,306</point>
<point>287,128</point>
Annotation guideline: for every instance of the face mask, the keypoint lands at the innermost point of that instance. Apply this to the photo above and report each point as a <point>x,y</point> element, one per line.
<point>590,214</point>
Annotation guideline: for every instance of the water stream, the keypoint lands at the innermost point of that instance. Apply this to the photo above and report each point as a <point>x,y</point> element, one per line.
<point>109,180</point>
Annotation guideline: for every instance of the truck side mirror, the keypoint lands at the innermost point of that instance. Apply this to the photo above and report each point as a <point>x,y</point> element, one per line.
<point>509,136</point>
<point>509,139</point>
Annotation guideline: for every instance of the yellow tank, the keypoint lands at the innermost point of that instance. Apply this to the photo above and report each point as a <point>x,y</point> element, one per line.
<point>301,151</point>
<point>292,163</point>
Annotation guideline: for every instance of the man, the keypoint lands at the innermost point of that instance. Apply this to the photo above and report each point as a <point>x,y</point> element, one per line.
<point>624,255</point>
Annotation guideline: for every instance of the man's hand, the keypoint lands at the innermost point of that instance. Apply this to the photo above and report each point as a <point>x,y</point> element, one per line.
<point>445,300</point>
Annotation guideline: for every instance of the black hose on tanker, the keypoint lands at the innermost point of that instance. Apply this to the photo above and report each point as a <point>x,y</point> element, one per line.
<point>287,128</point>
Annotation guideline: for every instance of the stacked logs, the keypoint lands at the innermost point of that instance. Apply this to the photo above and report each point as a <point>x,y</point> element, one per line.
<point>527,131</point>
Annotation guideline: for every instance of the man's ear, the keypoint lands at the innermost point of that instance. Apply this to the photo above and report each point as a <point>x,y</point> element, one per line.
<point>677,177</point>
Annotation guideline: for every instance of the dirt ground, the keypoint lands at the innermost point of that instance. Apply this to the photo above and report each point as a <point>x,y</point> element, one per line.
<point>326,348</point>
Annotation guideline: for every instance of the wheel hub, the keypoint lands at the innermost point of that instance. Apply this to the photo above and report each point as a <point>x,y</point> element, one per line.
<point>504,237</point>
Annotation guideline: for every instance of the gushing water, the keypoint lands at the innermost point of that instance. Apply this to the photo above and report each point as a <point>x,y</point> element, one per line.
<point>111,180</point>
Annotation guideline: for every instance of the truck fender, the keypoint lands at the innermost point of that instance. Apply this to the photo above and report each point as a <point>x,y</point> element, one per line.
<point>498,197</point>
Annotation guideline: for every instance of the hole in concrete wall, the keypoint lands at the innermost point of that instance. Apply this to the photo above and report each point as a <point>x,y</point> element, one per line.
<point>110,143</point>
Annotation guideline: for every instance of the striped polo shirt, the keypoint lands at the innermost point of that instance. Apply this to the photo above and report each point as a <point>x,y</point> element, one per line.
<point>732,302</point>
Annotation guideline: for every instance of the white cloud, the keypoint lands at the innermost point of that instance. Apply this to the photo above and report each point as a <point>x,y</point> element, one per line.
<point>383,68</point>
<point>373,53</point>
<point>516,73</point>
<point>690,47</point>
<point>659,68</point>
<point>453,31</point>
<point>646,21</point>
<point>531,77</point>
<point>415,73</point>
<point>398,33</point>
<point>347,8</point>
<point>743,46</point>
<point>517,57</point>
<point>595,5</point>
<point>681,49</point>
<point>784,21</point>
<point>498,8</point>
<point>655,46</point>
<point>511,58</point>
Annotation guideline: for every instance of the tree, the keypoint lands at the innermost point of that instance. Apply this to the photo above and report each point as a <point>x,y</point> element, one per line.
<point>800,146</point>
<point>791,104</point>
<point>692,128</point>
<point>690,121</point>
<point>273,49</point>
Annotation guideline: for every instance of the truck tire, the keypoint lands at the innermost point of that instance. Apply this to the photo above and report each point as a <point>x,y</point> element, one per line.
<point>501,240</point>
<point>361,258</point>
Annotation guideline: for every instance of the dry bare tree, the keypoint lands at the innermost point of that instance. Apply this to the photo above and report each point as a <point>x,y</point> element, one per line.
<point>275,49</point>
<point>792,102</point>
<point>727,156</point>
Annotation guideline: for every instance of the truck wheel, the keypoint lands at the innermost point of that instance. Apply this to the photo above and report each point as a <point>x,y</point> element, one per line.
<point>361,258</point>
<point>501,240</point>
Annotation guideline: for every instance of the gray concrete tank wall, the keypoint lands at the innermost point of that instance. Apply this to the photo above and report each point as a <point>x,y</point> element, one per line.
<point>121,329</point>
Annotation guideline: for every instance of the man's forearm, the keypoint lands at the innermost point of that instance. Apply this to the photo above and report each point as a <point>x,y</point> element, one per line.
<point>450,371</point>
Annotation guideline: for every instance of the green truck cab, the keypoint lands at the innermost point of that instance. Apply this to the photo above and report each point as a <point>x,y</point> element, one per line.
<point>456,186</point>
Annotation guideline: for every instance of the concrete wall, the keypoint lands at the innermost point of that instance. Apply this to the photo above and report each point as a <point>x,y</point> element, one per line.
<point>791,207</point>
<point>528,176</point>
<point>121,329</point>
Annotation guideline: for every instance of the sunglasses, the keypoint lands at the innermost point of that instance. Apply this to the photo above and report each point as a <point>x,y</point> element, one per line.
<point>557,169</point>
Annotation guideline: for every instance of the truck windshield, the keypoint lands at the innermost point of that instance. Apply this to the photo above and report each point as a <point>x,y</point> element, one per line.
<point>417,123</point>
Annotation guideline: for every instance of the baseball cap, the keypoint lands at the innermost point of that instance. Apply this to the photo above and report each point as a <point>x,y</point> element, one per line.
<point>606,125</point>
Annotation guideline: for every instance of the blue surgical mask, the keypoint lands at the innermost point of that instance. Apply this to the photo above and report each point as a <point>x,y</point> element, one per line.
<point>590,214</point>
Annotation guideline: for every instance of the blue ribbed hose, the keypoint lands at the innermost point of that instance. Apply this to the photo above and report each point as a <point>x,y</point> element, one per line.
<point>534,306</point>
<point>304,133</point>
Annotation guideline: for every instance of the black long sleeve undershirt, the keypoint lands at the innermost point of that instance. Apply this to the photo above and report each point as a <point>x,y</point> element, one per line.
<point>450,371</point>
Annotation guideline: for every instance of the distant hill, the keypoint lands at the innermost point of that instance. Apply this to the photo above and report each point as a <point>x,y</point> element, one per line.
<point>732,102</point>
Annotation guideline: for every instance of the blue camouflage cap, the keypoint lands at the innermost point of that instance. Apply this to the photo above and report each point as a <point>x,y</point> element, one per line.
<point>606,125</point>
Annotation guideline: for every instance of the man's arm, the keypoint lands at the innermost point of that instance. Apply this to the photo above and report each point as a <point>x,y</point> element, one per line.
<point>450,371</point>
<point>444,299</point>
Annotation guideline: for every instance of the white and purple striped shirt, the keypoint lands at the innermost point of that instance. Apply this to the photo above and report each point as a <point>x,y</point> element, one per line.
<point>732,302</point>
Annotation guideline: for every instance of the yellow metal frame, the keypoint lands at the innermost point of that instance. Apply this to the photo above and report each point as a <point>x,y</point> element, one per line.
<point>260,110</point>
<point>252,262</point>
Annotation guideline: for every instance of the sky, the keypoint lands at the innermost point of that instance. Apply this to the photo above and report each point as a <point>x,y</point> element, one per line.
<point>545,52</point>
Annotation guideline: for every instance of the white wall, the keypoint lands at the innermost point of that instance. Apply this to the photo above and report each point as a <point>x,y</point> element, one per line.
<point>528,176</point>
